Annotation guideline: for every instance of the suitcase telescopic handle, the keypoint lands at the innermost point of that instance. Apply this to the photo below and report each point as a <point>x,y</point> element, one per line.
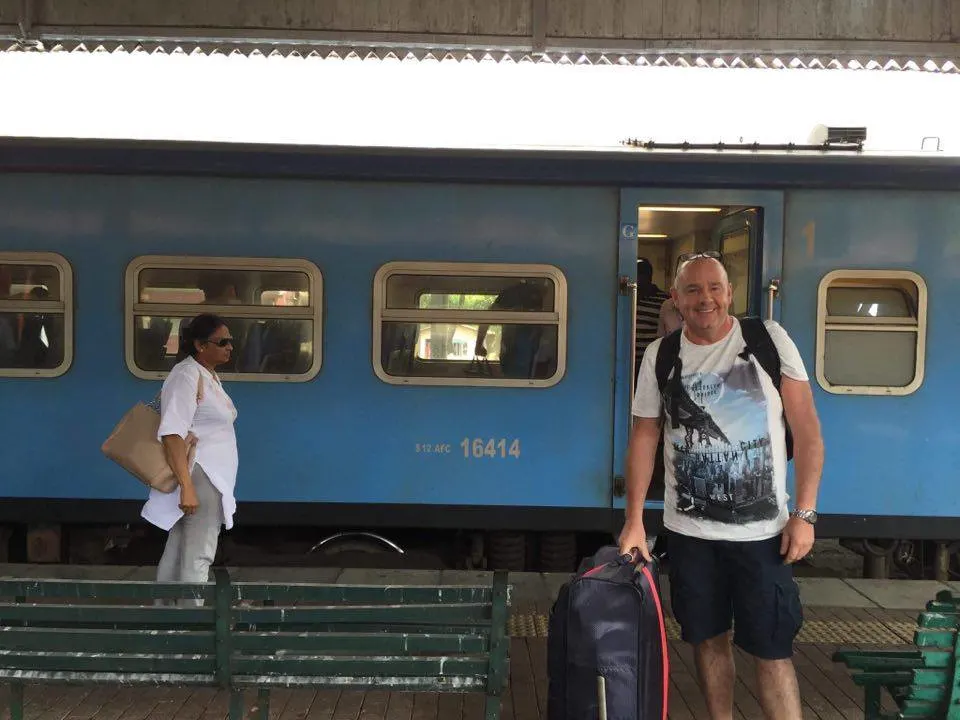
<point>602,697</point>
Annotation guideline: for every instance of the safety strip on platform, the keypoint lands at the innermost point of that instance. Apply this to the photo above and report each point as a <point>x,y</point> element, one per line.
<point>829,632</point>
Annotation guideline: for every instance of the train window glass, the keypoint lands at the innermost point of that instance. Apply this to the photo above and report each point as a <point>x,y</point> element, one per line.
<point>469,324</point>
<point>36,315</point>
<point>199,286</point>
<point>271,306</point>
<point>871,328</point>
<point>736,260</point>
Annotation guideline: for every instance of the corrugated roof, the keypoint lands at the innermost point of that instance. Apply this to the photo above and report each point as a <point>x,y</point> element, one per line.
<point>651,58</point>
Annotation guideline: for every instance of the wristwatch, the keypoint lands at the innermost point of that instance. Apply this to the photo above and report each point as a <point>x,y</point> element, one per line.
<point>809,515</point>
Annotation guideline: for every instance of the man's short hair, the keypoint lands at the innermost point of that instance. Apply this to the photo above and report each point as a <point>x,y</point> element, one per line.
<point>681,266</point>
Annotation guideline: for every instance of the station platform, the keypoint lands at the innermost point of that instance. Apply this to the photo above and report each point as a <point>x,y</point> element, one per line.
<point>839,613</point>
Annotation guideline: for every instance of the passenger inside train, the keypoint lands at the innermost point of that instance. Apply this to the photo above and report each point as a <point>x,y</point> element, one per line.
<point>458,348</point>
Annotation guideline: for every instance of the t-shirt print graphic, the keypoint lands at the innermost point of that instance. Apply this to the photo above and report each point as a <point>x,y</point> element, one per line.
<point>722,459</point>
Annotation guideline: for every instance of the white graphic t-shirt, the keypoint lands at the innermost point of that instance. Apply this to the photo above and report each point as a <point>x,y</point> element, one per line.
<point>725,465</point>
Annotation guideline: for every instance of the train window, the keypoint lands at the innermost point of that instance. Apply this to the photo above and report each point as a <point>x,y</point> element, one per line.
<point>469,324</point>
<point>36,314</point>
<point>272,307</point>
<point>871,329</point>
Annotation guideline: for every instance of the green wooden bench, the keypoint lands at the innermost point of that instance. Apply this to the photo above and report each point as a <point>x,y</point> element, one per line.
<point>924,683</point>
<point>442,638</point>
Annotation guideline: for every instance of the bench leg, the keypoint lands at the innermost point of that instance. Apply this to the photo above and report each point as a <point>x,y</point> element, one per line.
<point>263,702</point>
<point>236,704</point>
<point>871,702</point>
<point>16,701</point>
<point>492,708</point>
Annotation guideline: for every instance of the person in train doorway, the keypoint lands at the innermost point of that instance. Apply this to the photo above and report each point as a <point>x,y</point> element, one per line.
<point>195,408</point>
<point>649,300</point>
<point>731,537</point>
<point>670,318</point>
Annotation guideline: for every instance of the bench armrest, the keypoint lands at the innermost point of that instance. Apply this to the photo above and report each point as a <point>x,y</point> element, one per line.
<point>880,660</point>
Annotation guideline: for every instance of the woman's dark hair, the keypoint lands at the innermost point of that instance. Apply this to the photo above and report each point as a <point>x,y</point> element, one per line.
<point>200,328</point>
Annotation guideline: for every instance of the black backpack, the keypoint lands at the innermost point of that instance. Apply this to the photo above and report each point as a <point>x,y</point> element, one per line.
<point>758,343</point>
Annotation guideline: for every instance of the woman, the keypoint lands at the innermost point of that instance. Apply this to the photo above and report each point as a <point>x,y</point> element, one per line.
<point>195,408</point>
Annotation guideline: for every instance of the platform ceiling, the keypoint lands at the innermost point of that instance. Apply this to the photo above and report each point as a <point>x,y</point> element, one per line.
<point>871,34</point>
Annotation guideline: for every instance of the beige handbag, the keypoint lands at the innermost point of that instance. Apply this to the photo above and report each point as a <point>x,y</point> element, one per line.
<point>134,446</point>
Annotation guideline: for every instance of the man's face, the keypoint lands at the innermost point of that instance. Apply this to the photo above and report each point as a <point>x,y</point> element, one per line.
<point>703,295</point>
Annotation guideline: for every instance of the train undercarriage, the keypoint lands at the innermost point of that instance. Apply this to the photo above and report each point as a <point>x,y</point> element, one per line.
<point>123,544</point>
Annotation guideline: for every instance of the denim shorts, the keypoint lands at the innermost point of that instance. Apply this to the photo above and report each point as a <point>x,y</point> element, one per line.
<point>713,582</point>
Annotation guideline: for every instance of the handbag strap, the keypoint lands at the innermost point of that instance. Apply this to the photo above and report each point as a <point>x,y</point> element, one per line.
<point>155,403</point>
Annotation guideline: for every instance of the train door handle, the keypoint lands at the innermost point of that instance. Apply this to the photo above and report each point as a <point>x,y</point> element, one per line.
<point>629,287</point>
<point>773,289</point>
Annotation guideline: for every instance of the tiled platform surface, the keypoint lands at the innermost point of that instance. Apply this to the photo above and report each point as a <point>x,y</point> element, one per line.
<point>838,614</point>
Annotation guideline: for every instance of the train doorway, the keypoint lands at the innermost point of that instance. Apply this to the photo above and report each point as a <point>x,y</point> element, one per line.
<point>658,230</point>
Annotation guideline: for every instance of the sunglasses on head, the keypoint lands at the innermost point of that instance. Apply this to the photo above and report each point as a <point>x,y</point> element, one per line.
<point>687,257</point>
<point>222,342</point>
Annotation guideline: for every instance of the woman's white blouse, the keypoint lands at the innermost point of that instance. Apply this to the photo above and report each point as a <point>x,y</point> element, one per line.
<point>212,423</point>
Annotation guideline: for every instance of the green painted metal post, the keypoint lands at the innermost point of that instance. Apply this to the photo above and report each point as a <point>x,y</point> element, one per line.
<point>499,661</point>
<point>223,626</point>
<point>236,704</point>
<point>871,704</point>
<point>16,688</point>
<point>16,701</point>
<point>263,702</point>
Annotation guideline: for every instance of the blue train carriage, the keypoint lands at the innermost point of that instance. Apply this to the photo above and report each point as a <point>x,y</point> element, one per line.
<point>444,340</point>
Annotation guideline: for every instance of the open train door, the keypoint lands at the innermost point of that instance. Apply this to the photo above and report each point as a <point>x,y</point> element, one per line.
<point>660,226</point>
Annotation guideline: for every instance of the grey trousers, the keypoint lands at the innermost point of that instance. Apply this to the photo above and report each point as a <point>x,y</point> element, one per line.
<point>192,542</point>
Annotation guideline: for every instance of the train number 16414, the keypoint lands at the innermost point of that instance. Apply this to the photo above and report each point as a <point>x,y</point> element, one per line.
<point>492,447</point>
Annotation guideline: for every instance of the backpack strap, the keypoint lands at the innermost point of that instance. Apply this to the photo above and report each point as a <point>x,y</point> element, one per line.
<point>760,345</point>
<point>668,357</point>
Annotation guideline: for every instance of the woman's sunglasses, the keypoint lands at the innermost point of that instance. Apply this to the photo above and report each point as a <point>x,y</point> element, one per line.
<point>222,342</point>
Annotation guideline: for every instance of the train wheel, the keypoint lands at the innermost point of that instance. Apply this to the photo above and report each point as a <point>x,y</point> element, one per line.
<point>507,551</point>
<point>558,552</point>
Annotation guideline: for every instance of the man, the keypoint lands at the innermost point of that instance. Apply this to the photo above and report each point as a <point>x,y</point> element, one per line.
<point>731,538</point>
<point>649,300</point>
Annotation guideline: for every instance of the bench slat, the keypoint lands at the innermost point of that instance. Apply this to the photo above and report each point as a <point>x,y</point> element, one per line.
<point>380,643</point>
<point>937,620</point>
<point>399,665</point>
<point>880,660</point>
<point>897,677</point>
<point>361,594</point>
<point>926,693</point>
<point>98,615</point>
<point>426,615</point>
<point>932,676</point>
<point>371,682</point>
<point>79,640</point>
<point>103,590</point>
<point>920,709</point>
<point>107,662</point>
<point>352,628</point>
<point>934,639</point>
<point>111,678</point>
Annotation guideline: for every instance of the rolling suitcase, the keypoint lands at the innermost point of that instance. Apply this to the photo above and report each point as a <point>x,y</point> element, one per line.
<point>607,644</point>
